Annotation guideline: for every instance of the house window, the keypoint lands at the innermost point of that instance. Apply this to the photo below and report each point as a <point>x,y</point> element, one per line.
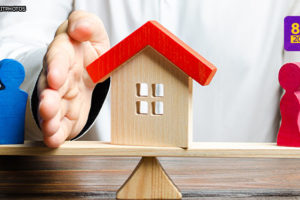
<point>157,106</point>
<point>142,89</point>
<point>158,90</point>
<point>142,107</point>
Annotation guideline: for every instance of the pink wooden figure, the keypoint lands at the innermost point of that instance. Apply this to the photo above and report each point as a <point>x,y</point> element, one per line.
<point>289,79</point>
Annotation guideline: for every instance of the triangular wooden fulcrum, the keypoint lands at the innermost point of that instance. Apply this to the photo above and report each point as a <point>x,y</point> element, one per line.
<point>149,181</point>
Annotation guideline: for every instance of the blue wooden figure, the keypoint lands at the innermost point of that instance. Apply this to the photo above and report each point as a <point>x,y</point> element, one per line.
<point>12,102</point>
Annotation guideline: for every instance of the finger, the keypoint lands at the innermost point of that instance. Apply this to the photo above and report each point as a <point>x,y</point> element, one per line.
<point>50,127</point>
<point>49,104</point>
<point>58,61</point>
<point>62,28</point>
<point>60,136</point>
<point>57,72</point>
<point>83,26</point>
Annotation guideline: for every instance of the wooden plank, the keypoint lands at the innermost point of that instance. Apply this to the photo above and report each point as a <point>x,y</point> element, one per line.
<point>205,150</point>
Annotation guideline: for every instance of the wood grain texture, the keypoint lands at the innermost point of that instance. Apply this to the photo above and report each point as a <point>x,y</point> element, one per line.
<point>206,150</point>
<point>94,177</point>
<point>173,128</point>
<point>159,38</point>
<point>12,102</point>
<point>289,132</point>
<point>149,181</point>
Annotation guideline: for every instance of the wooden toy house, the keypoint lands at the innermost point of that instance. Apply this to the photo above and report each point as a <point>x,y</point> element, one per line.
<point>151,87</point>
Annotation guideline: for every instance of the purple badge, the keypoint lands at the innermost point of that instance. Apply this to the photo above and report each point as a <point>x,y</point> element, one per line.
<point>292,33</point>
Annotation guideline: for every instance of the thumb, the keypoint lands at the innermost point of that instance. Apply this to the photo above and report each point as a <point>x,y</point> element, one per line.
<point>83,26</point>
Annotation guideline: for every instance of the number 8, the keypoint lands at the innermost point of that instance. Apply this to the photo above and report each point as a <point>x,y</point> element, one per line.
<point>295,28</point>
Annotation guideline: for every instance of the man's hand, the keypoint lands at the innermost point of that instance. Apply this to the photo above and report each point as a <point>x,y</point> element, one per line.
<point>64,88</point>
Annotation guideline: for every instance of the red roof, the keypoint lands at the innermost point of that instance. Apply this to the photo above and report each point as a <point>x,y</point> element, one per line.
<point>158,37</point>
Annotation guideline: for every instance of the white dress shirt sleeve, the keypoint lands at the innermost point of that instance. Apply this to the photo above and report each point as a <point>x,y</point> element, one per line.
<point>25,36</point>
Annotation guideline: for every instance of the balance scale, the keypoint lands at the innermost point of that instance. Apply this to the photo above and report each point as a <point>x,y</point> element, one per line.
<point>149,180</point>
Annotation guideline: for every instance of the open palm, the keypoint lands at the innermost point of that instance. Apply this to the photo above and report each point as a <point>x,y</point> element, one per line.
<point>64,87</point>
